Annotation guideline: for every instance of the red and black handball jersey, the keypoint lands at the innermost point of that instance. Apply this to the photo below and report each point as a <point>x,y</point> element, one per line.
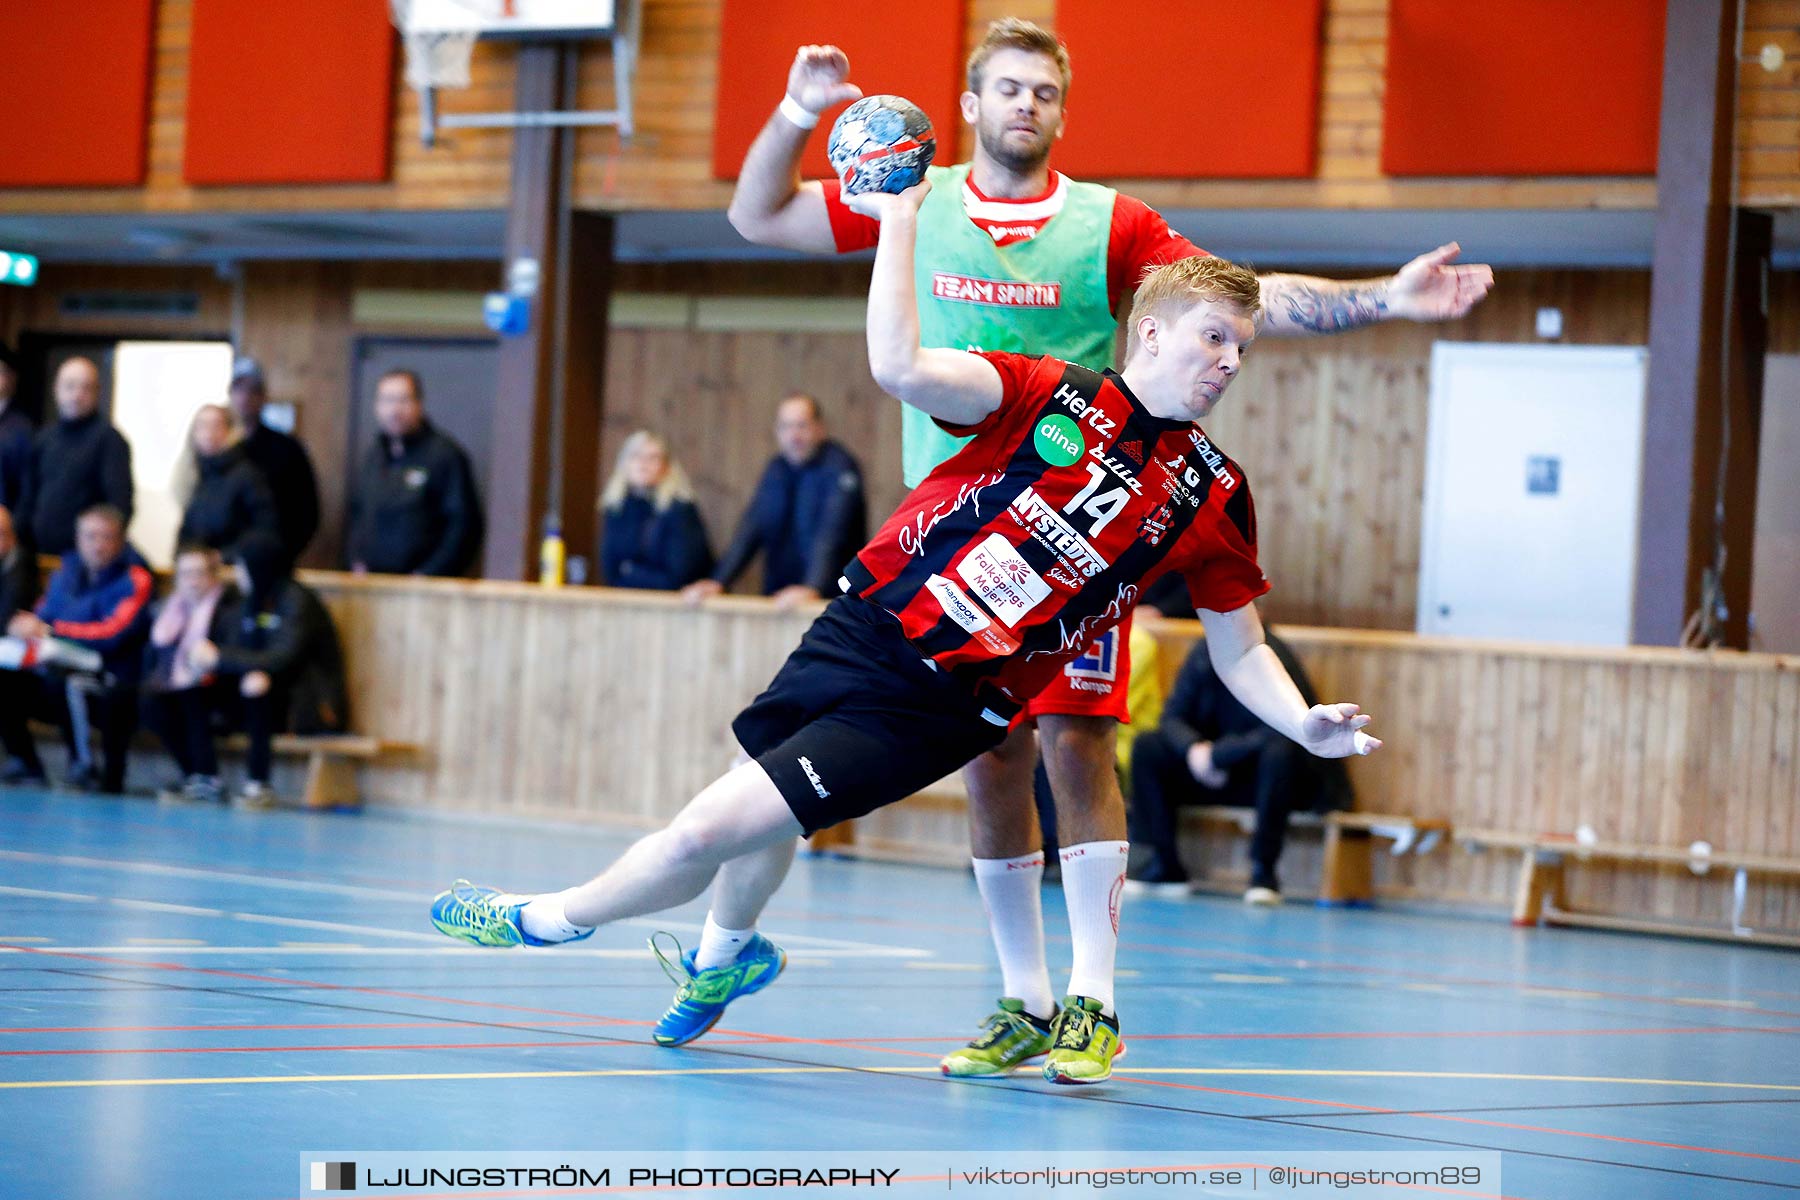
<point>1043,531</point>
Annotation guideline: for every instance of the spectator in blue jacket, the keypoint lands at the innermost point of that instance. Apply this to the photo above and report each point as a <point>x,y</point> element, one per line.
<point>99,599</point>
<point>807,518</point>
<point>652,536</point>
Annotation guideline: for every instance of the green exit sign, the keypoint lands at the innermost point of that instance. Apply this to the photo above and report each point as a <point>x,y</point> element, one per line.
<point>20,270</point>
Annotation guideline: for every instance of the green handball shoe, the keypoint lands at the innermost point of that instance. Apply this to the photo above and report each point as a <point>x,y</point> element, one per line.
<point>1009,1037</point>
<point>1086,1042</point>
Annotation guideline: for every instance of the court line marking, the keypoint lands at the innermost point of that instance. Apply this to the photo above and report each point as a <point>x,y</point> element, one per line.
<point>840,946</point>
<point>823,1069</point>
<point>1372,1110</point>
<point>448,947</point>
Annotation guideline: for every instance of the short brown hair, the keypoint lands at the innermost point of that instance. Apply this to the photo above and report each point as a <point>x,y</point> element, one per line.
<point>1010,33</point>
<point>1174,287</point>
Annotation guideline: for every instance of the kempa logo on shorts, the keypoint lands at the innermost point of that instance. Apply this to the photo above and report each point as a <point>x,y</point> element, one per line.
<point>1059,440</point>
<point>812,777</point>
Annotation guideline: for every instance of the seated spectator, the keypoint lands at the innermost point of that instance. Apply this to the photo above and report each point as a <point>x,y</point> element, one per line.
<point>280,457</point>
<point>414,510</point>
<point>75,464</point>
<point>180,699</point>
<point>98,599</point>
<point>18,592</point>
<point>278,651</point>
<point>229,496</point>
<point>653,537</point>
<point>1209,749</point>
<point>16,431</point>
<point>807,517</point>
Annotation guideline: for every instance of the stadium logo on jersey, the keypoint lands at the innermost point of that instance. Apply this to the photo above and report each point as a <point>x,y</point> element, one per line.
<point>1003,580</point>
<point>1059,441</point>
<point>1048,526</point>
<point>998,293</point>
<point>1099,661</point>
<point>956,604</point>
<point>1214,460</point>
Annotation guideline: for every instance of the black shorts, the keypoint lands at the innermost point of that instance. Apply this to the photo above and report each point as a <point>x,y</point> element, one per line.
<point>856,719</point>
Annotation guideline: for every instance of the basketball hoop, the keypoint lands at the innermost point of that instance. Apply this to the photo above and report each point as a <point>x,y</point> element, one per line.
<point>438,49</point>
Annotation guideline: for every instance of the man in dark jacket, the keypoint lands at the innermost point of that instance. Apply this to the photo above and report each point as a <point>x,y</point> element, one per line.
<point>808,516</point>
<point>230,497</point>
<point>279,652</point>
<point>1209,749</point>
<point>282,460</point>
<point>16,432</point>
<point>99,599</point>
<point>18,592</point>
<point>75,464</point>
<point>414,510</point>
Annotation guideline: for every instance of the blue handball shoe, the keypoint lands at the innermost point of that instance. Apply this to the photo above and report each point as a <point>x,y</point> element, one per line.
<point>701,996</point>
<point>485,917</point>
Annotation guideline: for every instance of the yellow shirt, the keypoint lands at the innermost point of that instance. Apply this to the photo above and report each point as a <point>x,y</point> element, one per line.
<point>1145,695</point>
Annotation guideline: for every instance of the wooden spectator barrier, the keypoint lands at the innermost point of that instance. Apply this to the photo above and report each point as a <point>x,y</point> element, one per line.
<point>617,706</point>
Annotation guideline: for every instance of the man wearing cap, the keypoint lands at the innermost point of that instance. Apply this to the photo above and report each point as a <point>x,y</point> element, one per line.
<point>15,432</point>
<point>281,459</point>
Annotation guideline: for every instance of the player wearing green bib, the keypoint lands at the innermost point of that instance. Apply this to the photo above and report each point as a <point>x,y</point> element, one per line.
<point>1013,256</point>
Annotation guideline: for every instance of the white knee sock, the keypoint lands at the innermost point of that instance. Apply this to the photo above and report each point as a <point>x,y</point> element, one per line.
<point>543,917</point>
<point>718,945</point>
<point>1012,891</point>
<point>1093,883</point>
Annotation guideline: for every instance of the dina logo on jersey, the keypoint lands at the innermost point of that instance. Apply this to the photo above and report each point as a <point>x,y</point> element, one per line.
<point>1059,441</point>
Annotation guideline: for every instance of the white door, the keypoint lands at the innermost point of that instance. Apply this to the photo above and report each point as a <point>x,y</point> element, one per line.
<point>1531,492</point>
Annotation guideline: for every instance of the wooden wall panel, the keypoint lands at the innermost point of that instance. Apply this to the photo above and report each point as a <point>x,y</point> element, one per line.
<point>1330,430</point>
<point>616,706</point>
<point>668,165</point>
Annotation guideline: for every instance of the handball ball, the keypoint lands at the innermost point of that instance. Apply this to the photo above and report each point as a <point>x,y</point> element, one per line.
<point>880,144</point>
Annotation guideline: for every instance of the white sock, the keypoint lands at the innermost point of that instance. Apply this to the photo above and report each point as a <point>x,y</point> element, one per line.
<point>1012,892</point>
<point>1093,884</point>
<point>543,918</point>
<point>719,945</point>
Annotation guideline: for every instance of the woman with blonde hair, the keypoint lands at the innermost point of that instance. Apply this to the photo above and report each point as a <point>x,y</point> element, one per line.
<point>652,536</point>
<point>227,496</point>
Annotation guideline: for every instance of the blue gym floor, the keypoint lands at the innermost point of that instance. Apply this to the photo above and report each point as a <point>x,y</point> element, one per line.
<point>191,998</point>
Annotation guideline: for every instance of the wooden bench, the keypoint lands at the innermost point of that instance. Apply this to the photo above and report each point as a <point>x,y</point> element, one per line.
<point>1348,875</point>
<point>331,762</point>
<point>1542,896</point>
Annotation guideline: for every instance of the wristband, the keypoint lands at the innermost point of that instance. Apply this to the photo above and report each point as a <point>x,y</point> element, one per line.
<point>790,108</point>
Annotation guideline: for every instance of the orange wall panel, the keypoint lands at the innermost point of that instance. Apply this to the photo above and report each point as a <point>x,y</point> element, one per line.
<point>1523,87</point>
<point>1191,89</point>
<point>289,93</point>
<point>913,49</point>
<point>76,90</point>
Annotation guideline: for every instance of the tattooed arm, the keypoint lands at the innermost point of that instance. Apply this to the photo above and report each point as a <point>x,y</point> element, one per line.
<point>1432,287</point>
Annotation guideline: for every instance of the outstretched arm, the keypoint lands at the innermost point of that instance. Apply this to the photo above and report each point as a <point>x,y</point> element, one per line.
<point>953,385</point>
<point>772,206</point>
<point>1246,665</point>
<point>1432,287</point>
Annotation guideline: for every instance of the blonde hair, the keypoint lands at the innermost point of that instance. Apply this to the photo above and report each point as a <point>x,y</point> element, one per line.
<point>1173,288</point>
<point>1011,33</point>
<point>186,476</point>
<point>674,485</point>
